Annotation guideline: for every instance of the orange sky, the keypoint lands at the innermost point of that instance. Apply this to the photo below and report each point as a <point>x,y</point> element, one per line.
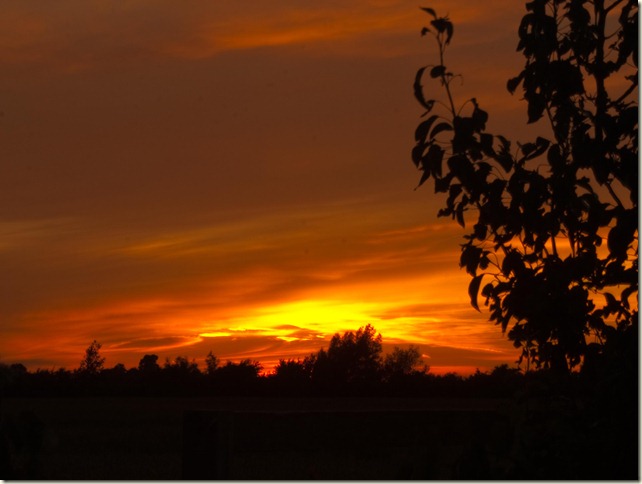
<point>180,177</point>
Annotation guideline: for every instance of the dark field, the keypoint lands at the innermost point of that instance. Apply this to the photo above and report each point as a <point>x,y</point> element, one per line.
<point>142,438</point>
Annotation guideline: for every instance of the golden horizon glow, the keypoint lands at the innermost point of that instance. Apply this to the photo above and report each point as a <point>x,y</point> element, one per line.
<point>425,306</point>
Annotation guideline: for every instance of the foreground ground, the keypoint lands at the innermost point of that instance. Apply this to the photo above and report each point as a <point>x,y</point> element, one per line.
<point>142,438</point>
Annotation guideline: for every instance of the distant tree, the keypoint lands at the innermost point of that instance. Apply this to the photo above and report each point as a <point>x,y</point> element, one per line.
<point>503,371</point>
<point>181,366</point>
<point>18,369</point>
<point>360,352</point>
<point>553,224</point>
<point>293,371</point>
<point>402,362</point>
<point>238,378</point>
<point>502,381</point>
<point>246,368</point>
<point>113,381</point>
<point>93,362</point>
<point>211,363</point>
<point>148,364</point>
<point>351,358</point>
<point>119,369</point>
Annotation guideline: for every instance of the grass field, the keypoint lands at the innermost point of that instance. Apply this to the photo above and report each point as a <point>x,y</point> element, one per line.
<point>142,438</point>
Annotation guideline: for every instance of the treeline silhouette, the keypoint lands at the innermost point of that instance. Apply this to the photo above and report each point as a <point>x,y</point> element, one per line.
<point>352,365</point>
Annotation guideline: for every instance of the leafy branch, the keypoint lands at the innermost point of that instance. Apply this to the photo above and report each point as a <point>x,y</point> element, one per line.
<point>540,210</point>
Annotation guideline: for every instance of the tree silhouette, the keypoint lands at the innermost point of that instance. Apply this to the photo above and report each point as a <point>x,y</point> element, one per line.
<point>291,377</point>
<point>402,362</point>
<point>211,363</point>
<point>239,378</point>
<point>181,366</point>
<point>244,369</point>
<point>92,363</point>
<point>351,358</point>
<point>292,370</point>
<point>539,214</point>
<point>148,364</point>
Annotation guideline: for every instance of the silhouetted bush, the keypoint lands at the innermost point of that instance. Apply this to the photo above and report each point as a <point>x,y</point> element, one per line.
<point>237,378</point>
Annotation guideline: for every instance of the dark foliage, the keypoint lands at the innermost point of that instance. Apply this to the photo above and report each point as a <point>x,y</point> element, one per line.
<point>552,243</point>
<point>92,363</point>
<point>553,231</point>
<point>351,362</point>
<point>402,363</point>
<point>148,364</point>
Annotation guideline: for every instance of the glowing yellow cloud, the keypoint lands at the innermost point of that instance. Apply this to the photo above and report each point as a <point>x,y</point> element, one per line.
<point>216,334</point>
<point>331,316</point>
<point>283,320</point>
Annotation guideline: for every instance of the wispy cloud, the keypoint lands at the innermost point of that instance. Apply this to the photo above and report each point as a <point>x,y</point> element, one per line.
<point>81,34</point>
<point>214,284</point>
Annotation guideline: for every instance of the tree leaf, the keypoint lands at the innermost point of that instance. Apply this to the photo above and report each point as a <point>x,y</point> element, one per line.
<point>439,128</point>
<point>442,184</point>
<point>480,117</point>
<point>473,290</point>
<point>433,160</point>
<point>486,142</point>
<point>441,24</point>
<point>527,148</point>
<point>418,153</point>
<point>536,106</point>
<point>480,231</point>
<point>424,176</point>
<point>449,32</point>
<point>463,169</point>
<point>419,90</point>
<point>424,127</point>
<point>470,257</point>
<point>533,150</point>
<point>430,11</point>
<point>453,192</point>
<point>437,71</point>
<point>512,84</point>
<point>611,302</point>
<point>459,215</point>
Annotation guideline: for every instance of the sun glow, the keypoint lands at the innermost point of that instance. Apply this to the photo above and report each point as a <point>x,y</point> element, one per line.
<point>215,334</point>
<point>330,315</point>
<point>286,320</point>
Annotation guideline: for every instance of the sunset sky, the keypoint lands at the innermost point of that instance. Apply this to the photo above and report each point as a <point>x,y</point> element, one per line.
<point>180,177</point>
